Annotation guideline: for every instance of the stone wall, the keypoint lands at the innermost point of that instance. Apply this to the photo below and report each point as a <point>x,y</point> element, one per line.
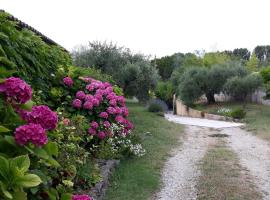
<point>182,110</point>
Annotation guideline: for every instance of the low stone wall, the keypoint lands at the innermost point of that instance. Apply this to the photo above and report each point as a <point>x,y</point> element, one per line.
<point>182,110</point>
<point>106,168</point>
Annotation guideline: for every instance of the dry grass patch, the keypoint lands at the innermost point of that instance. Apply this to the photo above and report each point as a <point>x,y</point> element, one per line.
<point>223,178</point>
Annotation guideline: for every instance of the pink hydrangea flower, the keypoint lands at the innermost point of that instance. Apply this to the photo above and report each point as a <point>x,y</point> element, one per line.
<point>118,110</point>
<point>109,89</point>
<point>111,110</point>
<point>124,111</point>
<point>68,81</point>
<point>66,121</point>
<point>95,102</point>
<point>101,135</point>
<point>106,124</point>
<point>31,133</point>
<point>94,125</point>
<point>92,131</point>
<point>16,89</point>
<point>106,84</point>
<point>120,119</point>
<point>111,96</point>
<point>104,115</point>
<point>90,87</point>
<point>88,97</point>
<point>113,102</point>
<point>77,103</point>
<point>88,105</point>
<point>80,95</point>
<point>44,116</point>
<point>81,197</point>
<point>98,96</point>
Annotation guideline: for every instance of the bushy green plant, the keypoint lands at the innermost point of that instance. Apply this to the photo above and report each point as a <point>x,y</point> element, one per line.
<point>23,51</point>
<point>155,108</point>
<point>165,92</point>
<point>238,113</point>
<point>14,177</point>
<point>240,87</point>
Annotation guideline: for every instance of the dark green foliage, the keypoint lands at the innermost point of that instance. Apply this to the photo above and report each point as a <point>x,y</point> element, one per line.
<point>263,54</point>
<point>265,73</point>
<point>240,87</point>
<point>238,113</point>
<point>192,83</point>
<point>155,108</point>
<point>133,72</point>
<point>165,92</point>
<point>242,53</point>
<point>25,52</point>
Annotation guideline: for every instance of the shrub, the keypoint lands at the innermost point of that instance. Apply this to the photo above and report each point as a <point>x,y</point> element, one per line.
<point>238,113</point>
<point>165,92</point>
<point>28,55</point>
<point>157,105</point>
<point>240,87</point>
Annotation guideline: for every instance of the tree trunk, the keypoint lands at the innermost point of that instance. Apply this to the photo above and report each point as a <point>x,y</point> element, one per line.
<point>210,98</point>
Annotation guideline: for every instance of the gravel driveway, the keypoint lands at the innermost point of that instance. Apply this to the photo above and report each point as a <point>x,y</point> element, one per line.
<point>180,171</point>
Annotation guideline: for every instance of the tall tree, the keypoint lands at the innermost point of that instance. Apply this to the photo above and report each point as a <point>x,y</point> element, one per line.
<point>242,53</point>
<point>253,63</point>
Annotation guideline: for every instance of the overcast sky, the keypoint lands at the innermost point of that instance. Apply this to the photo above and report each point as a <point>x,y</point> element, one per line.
<point>156,27</point>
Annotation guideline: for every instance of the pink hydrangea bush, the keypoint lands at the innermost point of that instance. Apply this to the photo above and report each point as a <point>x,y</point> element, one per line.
<point>42,115</point>
<point>33,133</point>
<point>102,106</point>
<point>16,90</point>
<point>39,119</point>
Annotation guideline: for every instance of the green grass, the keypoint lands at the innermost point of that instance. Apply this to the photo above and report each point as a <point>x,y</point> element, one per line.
<point>139,178</point>
<point>257,118</point>
<point>221,176</point>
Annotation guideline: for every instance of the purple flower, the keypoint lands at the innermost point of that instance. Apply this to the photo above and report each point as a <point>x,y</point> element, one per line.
<point>88,105</point>
<point>88,97</point>
<point>111,110</point>
<point>119,119</point>
<point>106,84</point>
<point>111,96</point>
<point>92,131</point>
<point>118,110</point>
<point>121,100</point>
<point>95,102</point>
<point>90,87</point>
<point>101,135</point>
<point>31,133</point>
<point>113,102</point>
<point>106,124</point>
<point>68,81</point>
<point>98,97</point>
<point>81,197</point>
<point>80,95</point>
<point>16,89</point>
<point>44,116</point>
<point>104,115</point>
<point>124,111</point>
<point>77,103</point>
<point>94,125</point>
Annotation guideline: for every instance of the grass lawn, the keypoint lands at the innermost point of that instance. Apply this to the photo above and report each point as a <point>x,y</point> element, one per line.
<point>139,178</point>
<point>257,118</point>
<point>221,176</point>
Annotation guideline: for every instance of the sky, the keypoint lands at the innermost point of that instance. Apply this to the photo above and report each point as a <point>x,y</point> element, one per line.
<point>152,27</point>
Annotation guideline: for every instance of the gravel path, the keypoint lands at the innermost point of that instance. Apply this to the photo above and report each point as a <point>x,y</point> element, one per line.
<point>254,154</point>
<point>201,122</point>
<point>180,171</point>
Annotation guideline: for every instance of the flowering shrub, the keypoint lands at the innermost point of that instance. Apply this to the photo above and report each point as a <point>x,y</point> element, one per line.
<point>31,133</point>
<point>16,90</point>
<point>102,106</point>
